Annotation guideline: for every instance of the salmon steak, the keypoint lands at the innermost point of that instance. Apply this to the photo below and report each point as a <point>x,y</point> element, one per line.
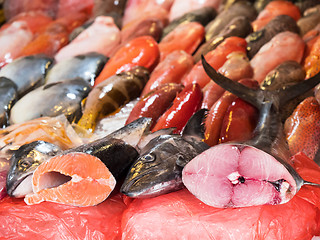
<point>76,179</point>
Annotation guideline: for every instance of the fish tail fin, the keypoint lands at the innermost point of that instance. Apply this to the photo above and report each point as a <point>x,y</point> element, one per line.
<point>247,94</point>
<point>311,183</point>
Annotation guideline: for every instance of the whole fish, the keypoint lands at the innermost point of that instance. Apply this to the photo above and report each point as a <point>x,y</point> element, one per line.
<point>8,93</point>
<point>85,66</point>
<point>62,98</point>
<point>111,94</point>
<point>27,72</point>
<point>203,15</point>
<point>116,150</point>
<point>158,169</point>
<point>257,171</point>
<point>24,162</point>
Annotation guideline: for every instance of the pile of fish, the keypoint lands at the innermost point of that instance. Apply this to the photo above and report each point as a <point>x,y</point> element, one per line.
<point>189,115</point>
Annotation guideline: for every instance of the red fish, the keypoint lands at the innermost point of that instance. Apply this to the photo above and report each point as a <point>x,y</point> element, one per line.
<point>171,70</point>
<point>273,9</point>
<point>216,59</point>
<point>312,61</point>
<point>192,34</point>
<point>142,51</point>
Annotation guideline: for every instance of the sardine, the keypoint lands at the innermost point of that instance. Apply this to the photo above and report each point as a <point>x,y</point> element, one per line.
<point>27,72</point>
<point>158,169</point>
<point>86,66</point>
<point>24,162</point>
<point>51,100</point>
<point>257,171</point>
<point>111,94</point>
<point>8,93</point>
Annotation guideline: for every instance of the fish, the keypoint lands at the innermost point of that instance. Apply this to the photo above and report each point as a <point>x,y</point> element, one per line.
<point>111,94</point>
<point>24,162</point>
<point>86,66</point>
<point>202,15</point>
<point>9,95</point>
<point>108,7</point>
<point>254,172</point>
<point>117,151</point>
<point>239,8</point>
<point>27,72</point>
<point>65,98</point>
<point>310,20</point>
<point>158,169</point>
<point>278,24</point>
<point>57,180</point>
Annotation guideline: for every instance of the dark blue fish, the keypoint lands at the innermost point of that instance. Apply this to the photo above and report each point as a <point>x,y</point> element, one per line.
<point>9,95</point>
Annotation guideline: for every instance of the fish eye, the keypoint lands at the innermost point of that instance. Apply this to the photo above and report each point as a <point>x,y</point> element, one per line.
<point>25,164</point>
<point>148,158</point>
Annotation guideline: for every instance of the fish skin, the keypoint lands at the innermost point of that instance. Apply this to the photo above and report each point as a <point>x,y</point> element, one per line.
<point>8,93</point>
<point>24,162</point>
<point>85,66</point>
<point>65,98</point>
<point>27,72</point>
<point>158,170</point>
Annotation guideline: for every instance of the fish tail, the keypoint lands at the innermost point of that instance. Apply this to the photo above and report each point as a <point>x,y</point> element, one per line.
<point>311,183</point>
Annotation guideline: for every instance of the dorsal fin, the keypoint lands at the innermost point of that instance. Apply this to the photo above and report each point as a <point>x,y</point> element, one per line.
<point>195,125</point>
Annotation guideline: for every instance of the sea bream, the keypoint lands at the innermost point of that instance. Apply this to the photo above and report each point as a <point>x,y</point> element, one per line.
<point>257,171</point>
<point>116,150</point>
<point>158,169</point>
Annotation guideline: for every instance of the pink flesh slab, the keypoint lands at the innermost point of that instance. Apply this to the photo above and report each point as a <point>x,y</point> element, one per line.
<point>238,176</point>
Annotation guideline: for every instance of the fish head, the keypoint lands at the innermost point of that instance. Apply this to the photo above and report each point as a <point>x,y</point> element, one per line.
<point>158,169</point>
<point>24,162</point>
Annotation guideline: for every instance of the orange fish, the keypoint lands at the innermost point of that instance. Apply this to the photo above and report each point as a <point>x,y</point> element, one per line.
<point>76,179</point>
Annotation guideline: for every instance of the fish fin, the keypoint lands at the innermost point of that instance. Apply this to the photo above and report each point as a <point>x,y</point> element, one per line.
<point>245,93</point>
<point>195,125</point>
<point>289,93</point>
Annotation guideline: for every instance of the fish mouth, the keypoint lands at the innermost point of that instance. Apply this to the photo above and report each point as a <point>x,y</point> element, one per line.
<point>138,188</point>
<point>19,187</point>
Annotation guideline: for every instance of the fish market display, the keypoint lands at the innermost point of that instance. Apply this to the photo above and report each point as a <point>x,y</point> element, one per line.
<point>122,85</point>
<point>90,183</point>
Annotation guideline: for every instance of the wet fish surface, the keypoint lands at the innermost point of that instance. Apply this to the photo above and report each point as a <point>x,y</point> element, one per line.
<point>85,66</point>
<point>61,98</point>
<point>158,169</point>
<point>8,93</point>
<point>27,72</point>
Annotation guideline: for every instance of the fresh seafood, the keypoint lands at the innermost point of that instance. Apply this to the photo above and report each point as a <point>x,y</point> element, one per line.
<point>186,103</point>
<point>312,63</point>
<point>253,173</point>
<point>87,41</point>
<point>239,8</point>
<point>310,20</point>
<point>283,47</point>
<point>238,27</point>
<point>86,66</point>
<point>27,72</point>
<point>141,51</point>
<point>104,7</point>
<point>24,162</point>
<point>273,9</point>
<point>192,33</point>
<point>65,98</point>
<point>57,180</point>
<point>202,15</point>
<point>112,93</point>
<point>155,103</point>
<point>8,93</point>
<point>55,35</point>
<point>158,169</point>
<point>164,73</point>
<point>278,24</point>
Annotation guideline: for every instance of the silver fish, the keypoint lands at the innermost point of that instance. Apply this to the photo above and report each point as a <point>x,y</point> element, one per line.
<point>24,162</point>
<point>158,169</point>
<point>51,100</point>
<point>27,72</point>
<point>8,93</point>
<point>86,66</point>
